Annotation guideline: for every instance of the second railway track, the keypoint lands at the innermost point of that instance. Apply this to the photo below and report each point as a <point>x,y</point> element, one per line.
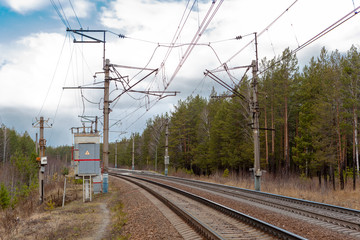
<point>344,217</point>
<point>212,220</point>
<point>311,219</point>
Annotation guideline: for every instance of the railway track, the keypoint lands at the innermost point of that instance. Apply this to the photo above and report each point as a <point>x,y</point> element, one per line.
<point>344,217</point>
<point>210,219</point>
<point>338,219</point>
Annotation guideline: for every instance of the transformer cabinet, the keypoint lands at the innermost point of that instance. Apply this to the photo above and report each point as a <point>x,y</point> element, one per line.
<point>86,157</point>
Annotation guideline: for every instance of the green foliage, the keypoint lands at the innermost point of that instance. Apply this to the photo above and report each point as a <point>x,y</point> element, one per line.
<point>315,114</point>
<point>4,197</point>
<point>78,181</point>
<point>50,205</point>
<point>226,173</point>
<point>27,167</point>
<point>65,171</point>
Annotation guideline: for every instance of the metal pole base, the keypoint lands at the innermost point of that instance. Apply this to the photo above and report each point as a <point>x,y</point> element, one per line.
<point>257,183</point>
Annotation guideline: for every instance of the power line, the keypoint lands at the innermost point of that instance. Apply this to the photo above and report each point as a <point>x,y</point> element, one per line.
<point>63,13</point>
<point>328,29</point>
<point>58,13</point>
<point>316,37</point>
<point>259,34</point>
<point>53,77</point>
<point>75,14</point>
<point>206,21</point>
<point>178,31</point>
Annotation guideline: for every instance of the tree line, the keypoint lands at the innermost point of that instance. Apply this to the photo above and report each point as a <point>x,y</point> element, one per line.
<point>309,120</point>
<point>19,168</point>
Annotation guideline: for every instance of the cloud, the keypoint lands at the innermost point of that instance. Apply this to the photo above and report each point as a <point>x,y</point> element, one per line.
<point>30,82</point>
<point>23,7</point>
<point>82,8</point>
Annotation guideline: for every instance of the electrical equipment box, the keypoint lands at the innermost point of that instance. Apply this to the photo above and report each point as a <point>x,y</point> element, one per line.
<point>97,184</point>
<point>43,161</point>
<point>86,154</point>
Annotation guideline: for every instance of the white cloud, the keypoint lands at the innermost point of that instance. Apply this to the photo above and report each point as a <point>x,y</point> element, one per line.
<point>24,6</point>
<point>30,67</point>
<point>27,66</point>
<point>82,8</point>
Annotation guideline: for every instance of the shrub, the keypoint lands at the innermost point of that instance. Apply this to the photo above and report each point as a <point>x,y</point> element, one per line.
<point>4,197</point>
<point>226,173</point>
<point>65,171</point>
<point>50,205</point>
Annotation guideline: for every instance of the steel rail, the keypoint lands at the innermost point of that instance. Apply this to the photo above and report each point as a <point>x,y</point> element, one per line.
<point>261,225</point>
<point>281,202</point>
<point>186,216</point>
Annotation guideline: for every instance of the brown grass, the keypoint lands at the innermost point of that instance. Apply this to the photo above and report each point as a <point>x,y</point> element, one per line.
<point>77,220</point>
<point>296,187</point>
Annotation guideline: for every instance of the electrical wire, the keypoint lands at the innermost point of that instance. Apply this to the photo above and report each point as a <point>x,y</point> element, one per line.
<point>271,43</point>
<point>259,34</point>
<point>53,77</point>
<point>58,13</point>
<point>354,6</point>
<point>203,26</point>
<point>178,31</point>
<point>328,29</point>
<point>196,37</point>
<point>75,14</point>
<point>63,13</point>
<point>315,38</point>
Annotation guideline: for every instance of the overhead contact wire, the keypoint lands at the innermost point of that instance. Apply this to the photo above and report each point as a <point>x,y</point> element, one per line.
<point>260,33</point>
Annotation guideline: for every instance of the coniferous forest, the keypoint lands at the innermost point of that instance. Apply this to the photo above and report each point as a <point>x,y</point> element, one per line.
<point>311,117</point>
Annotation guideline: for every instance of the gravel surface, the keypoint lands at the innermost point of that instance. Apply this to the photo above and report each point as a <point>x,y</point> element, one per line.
<point>294,225</point>
<point>144,221</point>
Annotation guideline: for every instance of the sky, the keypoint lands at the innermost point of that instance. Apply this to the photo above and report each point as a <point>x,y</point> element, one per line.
<point>38,57</point>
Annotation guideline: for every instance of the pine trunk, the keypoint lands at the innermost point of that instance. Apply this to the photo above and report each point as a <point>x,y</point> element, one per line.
<point>355,142</point>
<point>286,137</point>
<point>272,136</point>
<point>340,155</point>
<point>266,142</point>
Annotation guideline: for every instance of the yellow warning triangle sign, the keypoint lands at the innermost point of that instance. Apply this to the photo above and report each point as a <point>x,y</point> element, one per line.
<point>87,153</point>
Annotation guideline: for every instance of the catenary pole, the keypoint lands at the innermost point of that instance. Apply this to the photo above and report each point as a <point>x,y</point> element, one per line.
<point>255,116</point>
<point>106,111</point>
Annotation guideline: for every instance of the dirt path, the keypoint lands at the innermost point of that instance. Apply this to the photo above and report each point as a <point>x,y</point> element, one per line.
<point>101,233</point>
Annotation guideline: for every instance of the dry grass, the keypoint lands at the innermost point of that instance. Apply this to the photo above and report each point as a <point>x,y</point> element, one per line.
<point>296,187</point>
<point>77,220</point>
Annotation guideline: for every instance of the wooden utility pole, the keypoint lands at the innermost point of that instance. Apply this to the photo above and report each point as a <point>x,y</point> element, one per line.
<point>166,157</point>
<point>42,158</point>
<point>106,112</point>
<point>42,143</point>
